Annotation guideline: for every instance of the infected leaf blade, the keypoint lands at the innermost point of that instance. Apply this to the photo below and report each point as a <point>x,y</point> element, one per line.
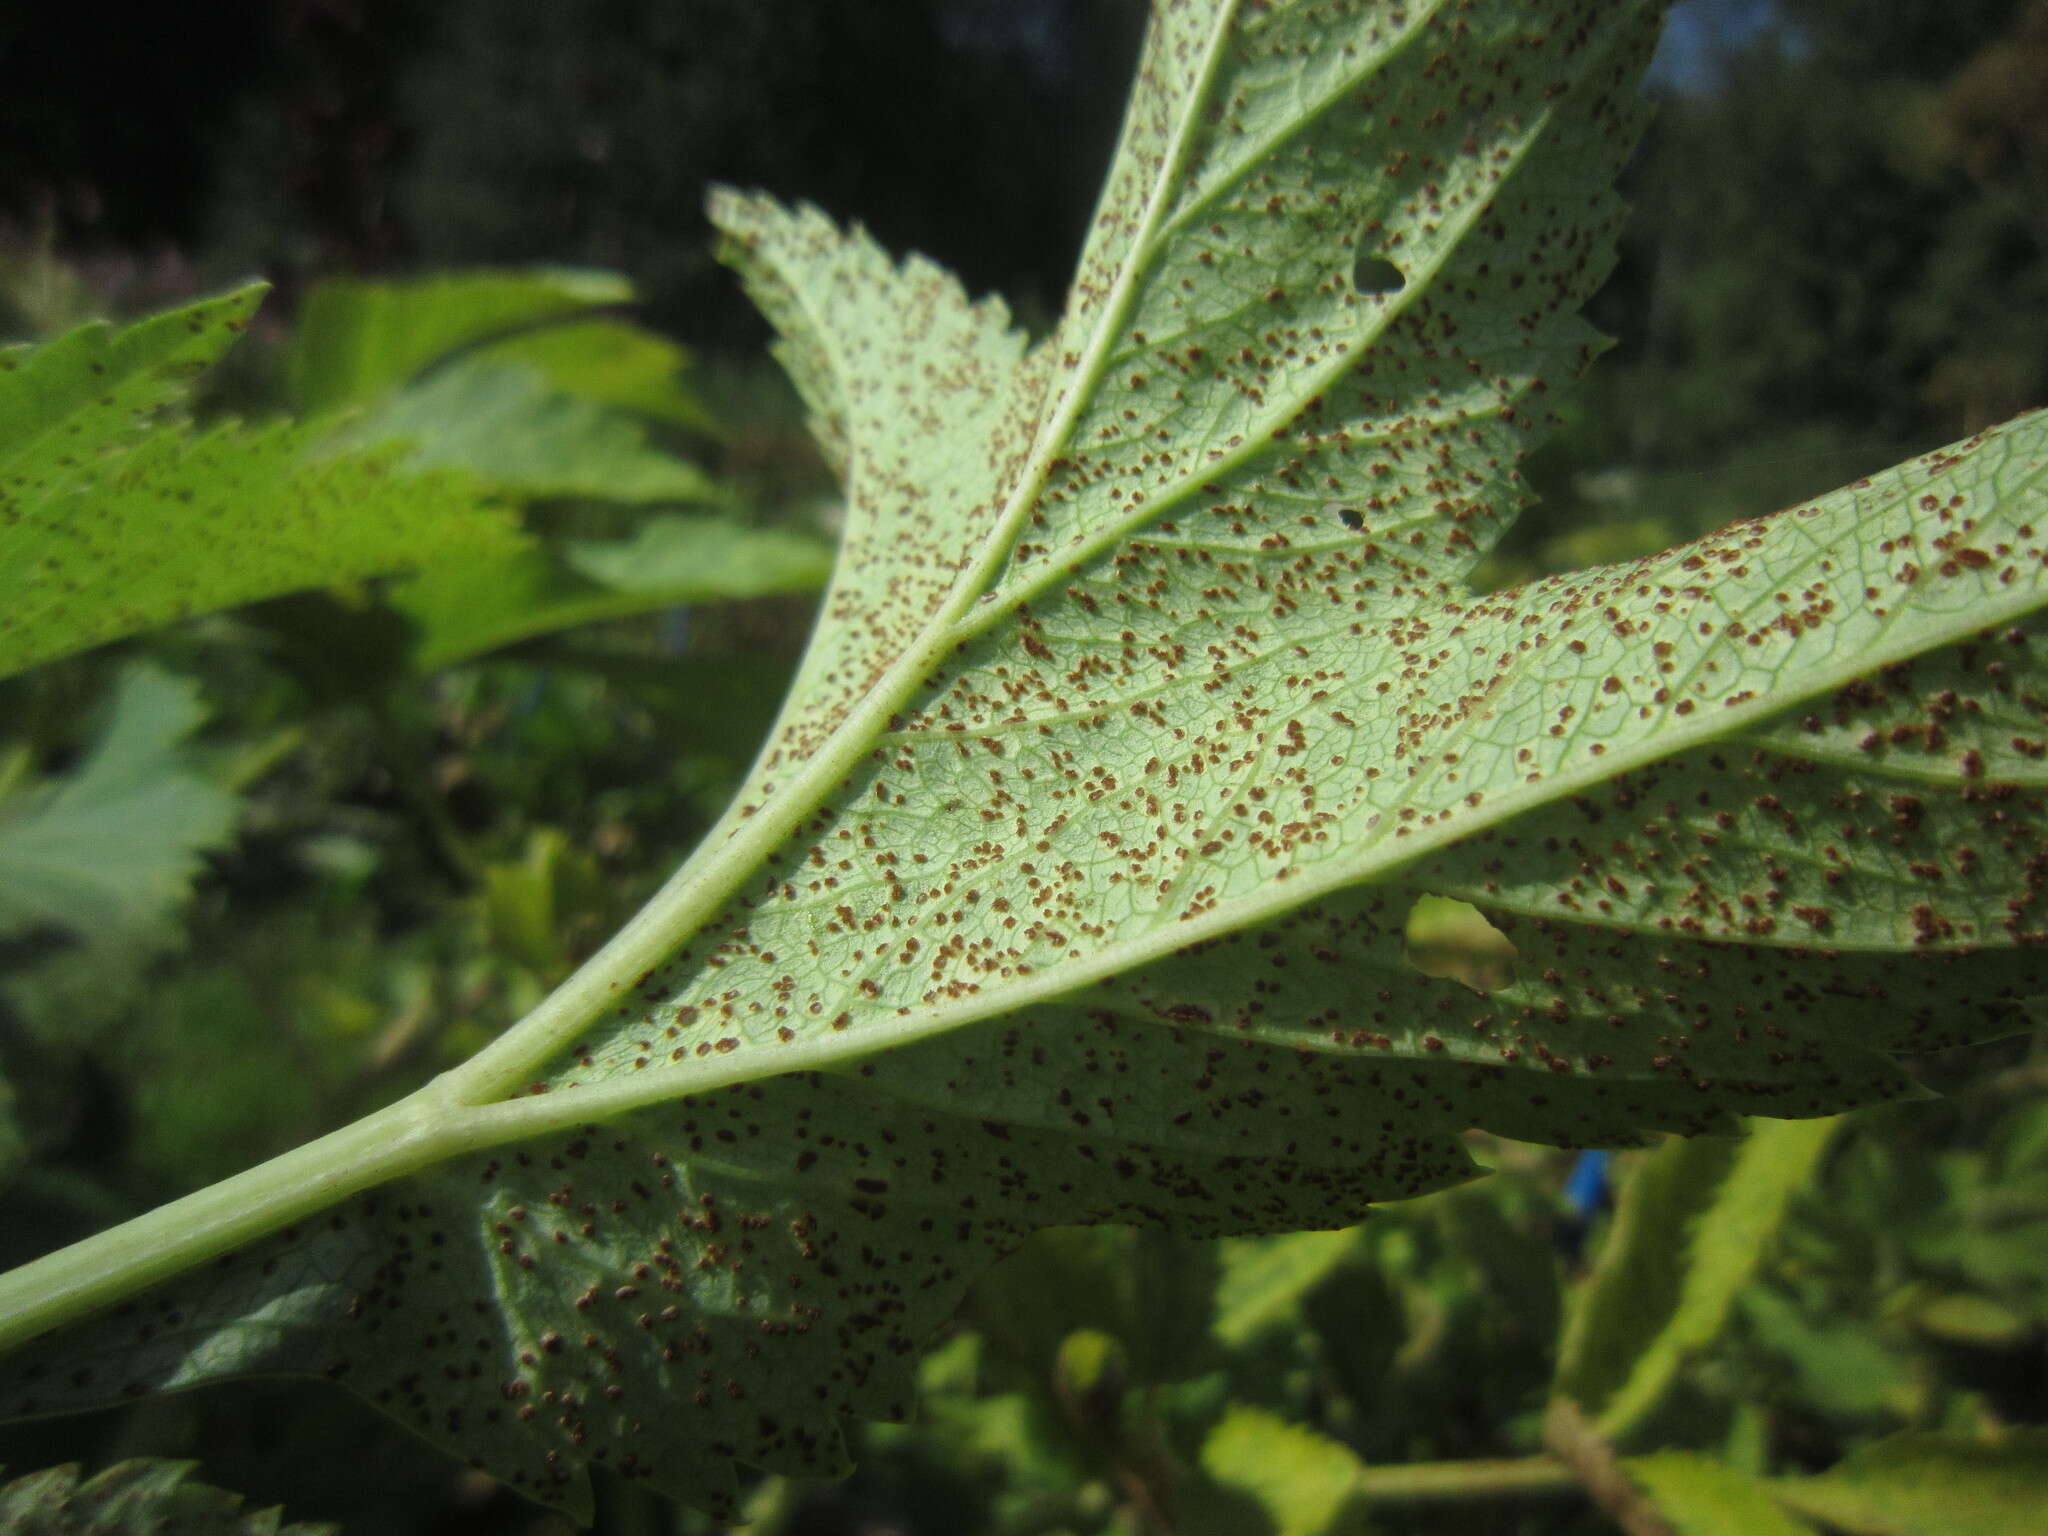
<point>919,400</point>
<point>1086,727</point>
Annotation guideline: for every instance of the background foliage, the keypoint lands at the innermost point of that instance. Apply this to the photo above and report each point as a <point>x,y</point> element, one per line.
<point>357,872</point>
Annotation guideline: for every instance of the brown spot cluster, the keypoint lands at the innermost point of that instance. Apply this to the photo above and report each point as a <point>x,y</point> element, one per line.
<point>1903,811</point>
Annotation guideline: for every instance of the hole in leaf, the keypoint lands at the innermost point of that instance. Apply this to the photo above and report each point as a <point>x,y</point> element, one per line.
<point>1375,274</point>
<point>1453,939</point>
<point>1350,517</point>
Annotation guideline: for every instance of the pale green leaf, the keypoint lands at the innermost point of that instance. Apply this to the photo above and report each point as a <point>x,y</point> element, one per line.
<point>113,521</point>
<point>1303,1481</point>
<point>466,609</point>
<point>108,849</point>
<point>135,1498</point>
<point>1148,696</point>
<point>1700,1497</point>
<point>1695,1220</point>
<point>358,340</point>
<point>1919,1484</point>
<point>504,424</point>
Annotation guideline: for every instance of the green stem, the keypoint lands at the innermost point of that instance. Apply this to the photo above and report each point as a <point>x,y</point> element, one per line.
<point>1443,1481</point>
<point>402,1138</point>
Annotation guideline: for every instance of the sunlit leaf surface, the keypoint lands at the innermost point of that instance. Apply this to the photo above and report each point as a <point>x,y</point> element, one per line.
<point>110,525</point>
<point>1148,697</point>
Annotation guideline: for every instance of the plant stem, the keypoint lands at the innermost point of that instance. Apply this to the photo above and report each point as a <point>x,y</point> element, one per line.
<point>402,1138</point>
<point>1591,1458</point>
<point>1442,1481</point>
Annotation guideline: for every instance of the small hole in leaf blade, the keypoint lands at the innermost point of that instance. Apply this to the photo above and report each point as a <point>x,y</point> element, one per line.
<point>1372,274</point>
<point>1454,940</point>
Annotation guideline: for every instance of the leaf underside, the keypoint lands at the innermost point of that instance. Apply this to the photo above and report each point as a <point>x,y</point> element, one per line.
<point>1148,695</point>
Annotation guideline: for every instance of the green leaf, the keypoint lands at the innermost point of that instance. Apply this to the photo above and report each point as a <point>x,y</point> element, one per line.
<point>107,850</point>
<point>360,340</point>
<point>135,1498</point>
<point>506,425</point>
<point>1694,1221</point>
<point>464,610</point>
<point>1839,1365</point>
<point>1149,695</point>
<point>1704,1498</point>
<point>1303,1481</point>
<point>702,558</point>
<point>1263,1281</point>
<point>608,363</point>
<point>1930,1485</point>
<point>115,521</point>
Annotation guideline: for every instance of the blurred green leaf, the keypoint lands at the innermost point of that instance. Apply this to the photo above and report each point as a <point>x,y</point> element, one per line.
<point>464,610</point>
<point>106,850</point>
<point>704,557</point>
<point>1518,1270</point>
<point>359,340</point>
<point>609,362</point>
<point>508,426</point>
<point>1148,1291</point>
<point>1932,1485</point>
<point>1693,1223</point>
<point>219,1075</point>
<point>1264,1280</point>
<point>117,521</point>
<point>1841,1365</point>
<point>1302,1480</point>
<point>134,1498</point>
<point>1961,1317</point>
<point>1700,1497</point>
<point>527,901</point>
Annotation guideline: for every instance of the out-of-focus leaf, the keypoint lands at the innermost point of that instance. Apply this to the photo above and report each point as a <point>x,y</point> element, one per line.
<point>109,848</point>
<point>465,610</point>
<point>1264,1279</point>
<point>1700,1497</point>
<point>1302,1480</point>
<point>1963,1317</point>
<point>1518,1271</point>
<point>526,900</point>
<point>706,557</point>
<point>504,423</point>
<point>1692,1225</point>
<point>1841,1366</point>
<point>135,1498</point>
<point>1932,1485</point>
<point>116,521</point>
<point>609,363</point>
<point>221,1070</point>
<point>1148,1292</point>
<point>359,340</point>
